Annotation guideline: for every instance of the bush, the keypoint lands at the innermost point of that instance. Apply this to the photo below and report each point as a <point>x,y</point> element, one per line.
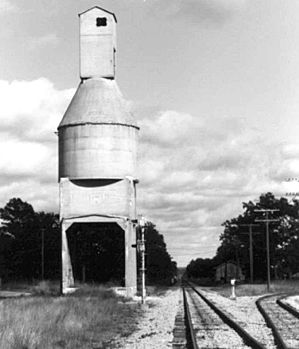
<point>45,288</point>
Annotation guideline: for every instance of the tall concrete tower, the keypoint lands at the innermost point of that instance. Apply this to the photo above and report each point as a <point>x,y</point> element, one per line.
<point>97,146</point>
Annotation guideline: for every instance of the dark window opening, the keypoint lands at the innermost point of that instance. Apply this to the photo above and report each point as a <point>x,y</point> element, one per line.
<point>101,22</point>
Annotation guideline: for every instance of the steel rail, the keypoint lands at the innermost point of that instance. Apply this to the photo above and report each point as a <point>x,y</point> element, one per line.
<point>278,339</point>
<point>247,338</point>
<point>191,337</point>
<point>288,307</point>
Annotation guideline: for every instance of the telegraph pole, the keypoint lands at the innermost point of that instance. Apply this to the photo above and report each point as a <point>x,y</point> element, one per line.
<point>43,253</point>
<point>267,221</point>
<point>250,248</point>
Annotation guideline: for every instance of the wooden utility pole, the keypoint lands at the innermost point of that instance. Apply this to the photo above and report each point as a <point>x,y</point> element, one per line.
<point>250,247</point>
<point>43,253</point>
<point>267,221</point>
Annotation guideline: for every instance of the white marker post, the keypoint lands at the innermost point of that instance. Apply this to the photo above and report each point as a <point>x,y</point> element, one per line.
<point>233,295</point>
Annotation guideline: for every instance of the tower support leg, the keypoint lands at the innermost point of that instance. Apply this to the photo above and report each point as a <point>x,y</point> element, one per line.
<point>67,278</point>
<point>130,260</point>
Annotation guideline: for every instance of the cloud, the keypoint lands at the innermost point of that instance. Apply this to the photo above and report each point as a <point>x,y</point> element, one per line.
<point>199,11</point>
<point>31,110</point>
<point>21,158</point>
<point>7,6</point>
<point>29,114</point>
<point>195,171</point>
<point>172,128</point>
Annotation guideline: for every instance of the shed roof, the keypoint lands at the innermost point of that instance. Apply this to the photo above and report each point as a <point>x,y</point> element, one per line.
<point>228,262</point>
<point>98,101</point>
<point>100,8</point>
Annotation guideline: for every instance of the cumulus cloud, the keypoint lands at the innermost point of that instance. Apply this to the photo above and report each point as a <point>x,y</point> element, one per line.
<point>196,172</point>
<point>30,110</point>
<point>29,114</point>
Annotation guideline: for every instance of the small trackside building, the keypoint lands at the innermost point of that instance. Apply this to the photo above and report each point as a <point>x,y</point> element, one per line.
<point>227,271</point>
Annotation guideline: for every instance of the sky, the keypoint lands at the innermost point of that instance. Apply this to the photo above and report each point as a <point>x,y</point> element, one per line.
<point>214,87</point>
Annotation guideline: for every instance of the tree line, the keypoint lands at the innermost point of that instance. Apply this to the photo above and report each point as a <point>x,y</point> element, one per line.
<point>234,241</point>
<point>30,248</point>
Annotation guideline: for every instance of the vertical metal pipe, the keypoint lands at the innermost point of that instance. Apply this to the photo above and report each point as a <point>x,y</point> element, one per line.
<point>250,254</point>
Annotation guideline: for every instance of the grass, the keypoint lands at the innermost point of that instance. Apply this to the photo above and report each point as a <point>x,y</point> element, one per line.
<point>90,318</point>
<point>277,286</point>
<point>45,288</point>
<point>158,291</point>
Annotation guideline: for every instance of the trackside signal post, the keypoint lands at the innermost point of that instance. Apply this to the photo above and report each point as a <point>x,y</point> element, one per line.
<point>141,249</point>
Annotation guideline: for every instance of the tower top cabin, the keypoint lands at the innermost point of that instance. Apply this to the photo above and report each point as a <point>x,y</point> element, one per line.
<point>97,43</point>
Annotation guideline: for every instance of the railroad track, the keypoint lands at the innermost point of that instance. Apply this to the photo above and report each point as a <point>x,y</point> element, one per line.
<point>282,319</point>
<point>205,329</point>
<point>208,327</point>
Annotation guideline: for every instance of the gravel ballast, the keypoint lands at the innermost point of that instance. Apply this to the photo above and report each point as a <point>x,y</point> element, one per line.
<point>243,310</point>
<point>293,302</point>
<point>211,330</point>
<point>155,327</point>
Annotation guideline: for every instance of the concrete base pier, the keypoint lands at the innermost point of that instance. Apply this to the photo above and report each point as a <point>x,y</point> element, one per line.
<point>130,258</point>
